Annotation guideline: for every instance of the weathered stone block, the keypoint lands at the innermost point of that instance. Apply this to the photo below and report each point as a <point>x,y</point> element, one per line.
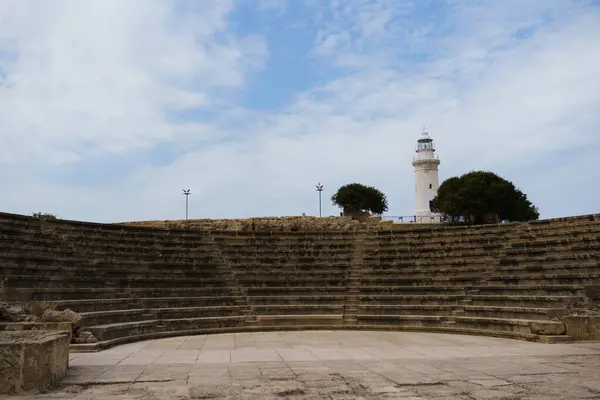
<point>547,328</point>
<point>32,359</point>
<point>593,292</point>
<point>300,320</point>
<point>580,327</point>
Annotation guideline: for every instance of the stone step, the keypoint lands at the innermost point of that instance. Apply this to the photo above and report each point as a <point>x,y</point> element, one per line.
<point>26,255</point>
<point>291,299</point>
<point>404,309</point>
<point>414,255</point>
<point>480,257</point>
<point>281,283</point>
<point>391,280</point>
<point>419,328</point>
<point>52,294</point>
<point>95,318</point>
<point>514,312</point>
<point>284,237</point>
<point>296,309</point>
<point>42,271</point>
<point>486,238</point>
<point>490,240</point>
<point>422,290</point>
<point>326,320</point>
<point>522,279</point>
<point>295,290</point>
<point>547,279</point>
<point>188,240</point>
<point>28,281</point>
<point>524,300</point>
<point>571,290</point>
<point>44,258</point>
<point>279,275</point>
<point>284,257</point>
<point>515,246</point>
<point>480,323</point>
<point>427,270</point>
<point>117,330</point>
<point>323,267</point>
<point>101,243</point>
<point>412,299</point>
<point>32,256</point>
<point>526,229</point>
<point>533,290</point>
<point>545,241</point>
<point>89,305</point>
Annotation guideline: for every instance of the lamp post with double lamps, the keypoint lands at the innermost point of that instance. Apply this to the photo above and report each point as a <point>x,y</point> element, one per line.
<point>186,192</point>
<point>319,189</point>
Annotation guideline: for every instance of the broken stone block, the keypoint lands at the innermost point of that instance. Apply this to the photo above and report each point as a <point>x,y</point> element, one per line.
<point>66,315</point>
<point>12,313</point>
<point>547,328</point>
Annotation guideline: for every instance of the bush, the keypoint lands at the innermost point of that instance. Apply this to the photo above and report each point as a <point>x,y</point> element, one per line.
<point>44,216</point>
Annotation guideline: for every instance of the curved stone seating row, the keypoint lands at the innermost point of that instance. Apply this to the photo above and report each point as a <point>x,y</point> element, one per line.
<point>519,276</point>
<point>126,283</point>
<point>133,283</point>
<point>295,270</point>
<point>509,282</point>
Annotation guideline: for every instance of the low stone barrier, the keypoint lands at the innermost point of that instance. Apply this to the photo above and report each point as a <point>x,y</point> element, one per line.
<point>271,224</point>
<point>583,327</point>
<point>32,360</point>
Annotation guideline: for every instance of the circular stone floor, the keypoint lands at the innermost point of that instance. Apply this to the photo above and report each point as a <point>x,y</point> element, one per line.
<point>334,365</point>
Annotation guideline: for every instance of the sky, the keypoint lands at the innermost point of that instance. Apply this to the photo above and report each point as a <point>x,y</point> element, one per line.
<point>109,108</point>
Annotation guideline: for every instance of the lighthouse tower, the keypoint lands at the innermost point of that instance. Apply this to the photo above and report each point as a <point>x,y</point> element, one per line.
<point>426,175</point>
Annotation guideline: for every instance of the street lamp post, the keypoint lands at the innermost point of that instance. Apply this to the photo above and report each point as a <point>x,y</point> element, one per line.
<point>186,192</point>
<point>319,189</point>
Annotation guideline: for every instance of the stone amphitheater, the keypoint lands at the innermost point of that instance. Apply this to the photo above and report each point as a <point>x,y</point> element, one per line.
<point>301,308</point>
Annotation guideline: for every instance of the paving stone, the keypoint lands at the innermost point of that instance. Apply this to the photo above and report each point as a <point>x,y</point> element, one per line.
<point>490,382</point>
<point>525,371</point>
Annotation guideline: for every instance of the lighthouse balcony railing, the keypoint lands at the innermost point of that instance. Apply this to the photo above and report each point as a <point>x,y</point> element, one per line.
<point>426,156</point>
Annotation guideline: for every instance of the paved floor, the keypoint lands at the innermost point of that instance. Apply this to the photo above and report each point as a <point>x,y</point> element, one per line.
<point>335,365</point>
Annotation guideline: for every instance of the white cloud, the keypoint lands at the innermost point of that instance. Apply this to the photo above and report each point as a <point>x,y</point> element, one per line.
<point>522,108</point>
<point>102,76</point>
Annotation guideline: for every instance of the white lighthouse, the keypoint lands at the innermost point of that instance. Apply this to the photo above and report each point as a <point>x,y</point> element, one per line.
<point>426,176</point>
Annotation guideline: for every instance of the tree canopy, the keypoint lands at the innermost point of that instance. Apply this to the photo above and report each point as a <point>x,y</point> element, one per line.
<point>43,216</point>
<point>480,197</point>
<point>355,197</point>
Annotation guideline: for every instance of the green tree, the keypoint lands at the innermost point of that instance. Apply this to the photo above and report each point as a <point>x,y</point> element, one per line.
<point>354,197</point>
<point>480,197</point>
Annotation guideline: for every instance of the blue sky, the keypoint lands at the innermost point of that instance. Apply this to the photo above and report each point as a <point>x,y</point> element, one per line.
<point>109,108</point>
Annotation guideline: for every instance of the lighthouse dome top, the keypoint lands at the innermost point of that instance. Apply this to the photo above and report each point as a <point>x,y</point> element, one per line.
<point>425,136</point>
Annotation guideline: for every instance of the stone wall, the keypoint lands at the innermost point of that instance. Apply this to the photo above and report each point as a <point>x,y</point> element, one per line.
<point>271,224</point>
<point>583,327</point>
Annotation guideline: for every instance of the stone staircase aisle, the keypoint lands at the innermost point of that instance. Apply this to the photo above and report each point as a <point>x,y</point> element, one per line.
<point>238,290</point>
<point>495,250</point>
<point>351,300</point>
